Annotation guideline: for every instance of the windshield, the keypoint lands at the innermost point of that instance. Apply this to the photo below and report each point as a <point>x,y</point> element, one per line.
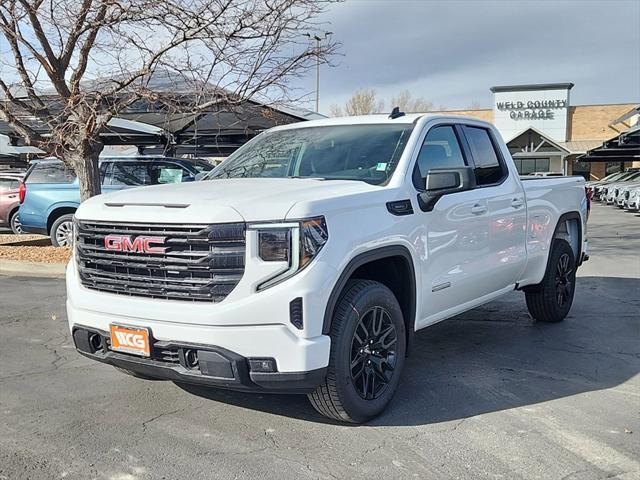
<point>626,176</point>
<point>613,176</point>
<point>367,153</point>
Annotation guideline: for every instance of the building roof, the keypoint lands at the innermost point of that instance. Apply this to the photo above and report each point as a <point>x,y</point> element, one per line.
<point>580,146</point>
<point>525,144</point>
<point>532,86</point>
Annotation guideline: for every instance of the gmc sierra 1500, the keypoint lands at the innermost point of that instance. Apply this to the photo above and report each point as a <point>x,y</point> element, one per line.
<point>307,260</point>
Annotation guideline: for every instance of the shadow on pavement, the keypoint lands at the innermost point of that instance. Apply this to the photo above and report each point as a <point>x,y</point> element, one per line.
<point>495,357</point>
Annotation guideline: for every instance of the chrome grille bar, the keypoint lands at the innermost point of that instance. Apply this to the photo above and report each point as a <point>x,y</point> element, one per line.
<point>200,262</point>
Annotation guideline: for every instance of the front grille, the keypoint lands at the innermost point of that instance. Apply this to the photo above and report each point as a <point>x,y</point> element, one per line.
<point>201,262</point>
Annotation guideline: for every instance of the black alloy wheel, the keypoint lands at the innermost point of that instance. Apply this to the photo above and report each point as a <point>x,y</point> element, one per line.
<point>373,353</point>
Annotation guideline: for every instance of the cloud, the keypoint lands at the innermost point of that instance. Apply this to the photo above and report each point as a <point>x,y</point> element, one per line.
<point>451,52</point>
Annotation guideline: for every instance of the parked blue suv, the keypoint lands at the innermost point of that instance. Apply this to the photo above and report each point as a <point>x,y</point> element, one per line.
<point>50,193</point>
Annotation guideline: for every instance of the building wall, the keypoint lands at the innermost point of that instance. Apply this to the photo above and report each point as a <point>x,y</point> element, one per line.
<point>585,122</point>
<point>591,122</point>
<point>544,109</point>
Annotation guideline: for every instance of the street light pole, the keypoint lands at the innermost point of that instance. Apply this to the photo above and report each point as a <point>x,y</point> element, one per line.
<point>318,39</point>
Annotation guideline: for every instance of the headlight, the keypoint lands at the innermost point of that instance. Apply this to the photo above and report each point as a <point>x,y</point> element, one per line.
<point>296,243</point>
<point>274,245</point>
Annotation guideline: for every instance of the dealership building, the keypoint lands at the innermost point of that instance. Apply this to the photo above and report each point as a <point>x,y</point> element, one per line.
<point>545,132</point>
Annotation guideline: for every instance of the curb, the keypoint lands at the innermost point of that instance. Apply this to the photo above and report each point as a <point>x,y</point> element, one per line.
<point>31,269</point>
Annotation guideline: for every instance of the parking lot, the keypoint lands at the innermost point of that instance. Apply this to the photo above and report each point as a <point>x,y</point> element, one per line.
<point>488,394</point>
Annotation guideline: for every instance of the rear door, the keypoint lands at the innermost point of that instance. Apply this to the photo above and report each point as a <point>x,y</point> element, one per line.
<point>8,197</point>
<point>503,210</point>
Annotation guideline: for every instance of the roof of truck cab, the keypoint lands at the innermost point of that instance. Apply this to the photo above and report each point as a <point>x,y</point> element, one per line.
<point>376,119</point>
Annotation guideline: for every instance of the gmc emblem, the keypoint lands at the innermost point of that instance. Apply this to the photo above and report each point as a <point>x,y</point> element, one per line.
<point>141,244</point>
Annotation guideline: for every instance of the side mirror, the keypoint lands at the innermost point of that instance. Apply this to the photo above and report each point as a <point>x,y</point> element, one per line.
<point>200,176</point>
<point>443,181</point>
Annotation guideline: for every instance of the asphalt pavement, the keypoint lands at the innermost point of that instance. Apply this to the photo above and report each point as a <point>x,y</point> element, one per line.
<point>486,395</point>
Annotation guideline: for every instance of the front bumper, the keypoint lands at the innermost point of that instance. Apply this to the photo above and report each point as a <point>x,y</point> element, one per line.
<point>216,366</point>
<point>254,325</point>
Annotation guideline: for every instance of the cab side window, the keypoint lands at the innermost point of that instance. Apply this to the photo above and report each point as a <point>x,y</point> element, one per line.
<point>440,149</point>
<point>488,166</point>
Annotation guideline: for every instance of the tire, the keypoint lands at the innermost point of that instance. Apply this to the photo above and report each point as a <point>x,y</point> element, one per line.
<point>134,374</point>
<point>550,300</point>
<point>14,223</point>
<point>368,345</point>
<point>62,231</point>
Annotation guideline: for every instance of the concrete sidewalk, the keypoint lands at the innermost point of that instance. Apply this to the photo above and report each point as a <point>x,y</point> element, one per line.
<point>30,269</point>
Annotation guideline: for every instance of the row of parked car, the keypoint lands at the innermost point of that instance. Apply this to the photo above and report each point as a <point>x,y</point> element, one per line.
<point>44,198</point>
<point>621,189</point>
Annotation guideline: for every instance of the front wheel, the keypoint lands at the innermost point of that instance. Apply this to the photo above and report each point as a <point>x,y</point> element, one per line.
<point>14,223</point>
<point>62,231</point>
<point>368,345</point>
<point>551,299</point>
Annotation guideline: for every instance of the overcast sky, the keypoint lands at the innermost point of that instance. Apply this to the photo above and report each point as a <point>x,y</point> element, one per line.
<point>451,52</point>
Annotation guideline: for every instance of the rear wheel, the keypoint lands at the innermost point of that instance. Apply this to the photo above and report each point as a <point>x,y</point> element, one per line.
<point>368,345</point>
<point>550,301</point>
<point>14,223</point>
<point>62,231</point>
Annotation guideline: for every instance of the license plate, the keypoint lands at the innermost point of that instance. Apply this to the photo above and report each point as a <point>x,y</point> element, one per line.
<point>133,340</point>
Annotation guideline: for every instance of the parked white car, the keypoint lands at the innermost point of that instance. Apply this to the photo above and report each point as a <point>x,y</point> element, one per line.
<point>600,185</point>
<point>622,194</point>
<point>610,191</point>
<point>307,260</point>
<point>633,201</point>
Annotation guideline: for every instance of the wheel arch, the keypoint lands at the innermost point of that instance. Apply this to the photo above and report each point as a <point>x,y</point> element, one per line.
<point>57,212</point>
<point>12,210</point>
<point>390,265</point>
<point>569,228</point>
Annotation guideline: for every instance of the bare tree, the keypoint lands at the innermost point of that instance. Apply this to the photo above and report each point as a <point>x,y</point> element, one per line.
<point>408,104</point>
<point>474,105</point>
<point>363,102</point>
<point>336,111</point>
<point>67,67</point>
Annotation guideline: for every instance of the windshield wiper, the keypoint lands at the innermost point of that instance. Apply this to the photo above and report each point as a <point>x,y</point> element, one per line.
<point>305,178</point>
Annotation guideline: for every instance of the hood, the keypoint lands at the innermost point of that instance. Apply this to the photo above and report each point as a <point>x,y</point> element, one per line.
<point>223,200</point>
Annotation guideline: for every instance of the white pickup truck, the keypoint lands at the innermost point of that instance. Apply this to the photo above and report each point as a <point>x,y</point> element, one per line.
<point>307,260</point>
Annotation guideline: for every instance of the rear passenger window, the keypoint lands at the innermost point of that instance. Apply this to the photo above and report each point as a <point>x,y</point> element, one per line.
<point>51,173</point>
<point>488,169</point>
<point>440,149</point>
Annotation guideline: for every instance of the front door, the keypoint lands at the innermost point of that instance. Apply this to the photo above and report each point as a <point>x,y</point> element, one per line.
<point>455,230</point>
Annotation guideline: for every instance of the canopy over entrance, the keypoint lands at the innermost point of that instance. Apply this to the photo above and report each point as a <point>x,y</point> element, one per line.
<point>623,148</point>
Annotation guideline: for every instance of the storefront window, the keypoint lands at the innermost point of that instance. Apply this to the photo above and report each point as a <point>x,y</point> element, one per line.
<point>526,166</point>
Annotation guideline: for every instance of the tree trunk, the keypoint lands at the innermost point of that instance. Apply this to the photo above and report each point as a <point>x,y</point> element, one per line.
<point>84,161</point>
